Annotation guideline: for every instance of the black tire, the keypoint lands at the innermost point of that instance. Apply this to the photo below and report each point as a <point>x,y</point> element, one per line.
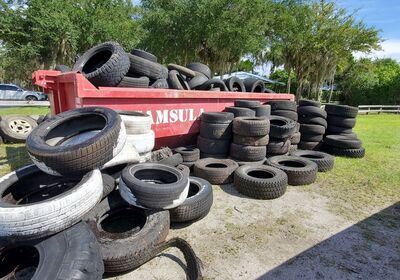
<point>315,146</point>
<point>127,235</point>
<point>46,147</point>
<point>281,127</point>
<point>295,138</point>
<point>176,81</point>
<point>313,120</point>
<point>311,111</point>
<point>73,252</point>
<point>351,153</point>
<point>144,54</point>
<point>248,126</point>
<point>248,153</point>
<point>300,171</point>
<point>16,128</point>
<point>342,142</point>
<point>275,147</point>
<point>104,65</point>
<point>188,154</point>
<point>343,111</point>
<point>217,117</point>
<point>184,169</point>
<point>235,84</point>
<point>201,68</point>
<point>342,122</point>
<point>263,111</point>
<point>282,105</point>
<point>252,163</point>
<point>324,161</point>
<point>173,160</point>
<point>218,156</point>
<point>215,171</point>
<point>190,165</point>
<point>217,131</point>
<point>154,185</point>
<point>254,85</point>
<point>160,83</point>
<point>305,102</point>
<point>198,203</point>
<point>314,129</point>
<point>62,68</point>
<point>311,137</point>
<point>143,67</point>
<point>286,113</point>
<point>213,146</point>
<point>197,81</point>
<point>213,83</point>
<point>331,129</point>
<point>241,112</point>
<point>247,103</point>
<point>130,82</point>
<point>251,140</point>
<point>260,182</point>
<point>188,73</point>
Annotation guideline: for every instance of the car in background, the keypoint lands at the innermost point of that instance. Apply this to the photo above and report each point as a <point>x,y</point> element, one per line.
<point>14,92</point>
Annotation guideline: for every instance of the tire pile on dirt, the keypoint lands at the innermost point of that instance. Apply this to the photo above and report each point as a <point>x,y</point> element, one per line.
<point>312,119</point>
<point>340,140</point>
<point>64,217</point>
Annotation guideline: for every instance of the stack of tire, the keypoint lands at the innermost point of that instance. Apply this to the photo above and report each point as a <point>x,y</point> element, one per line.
<point>249,108</point>
<point>215,134</point>
<point>189,156</point>
<point>286,109</point>
<point>281,130</point>
<point>250,138</point>
<point>340,140</point>
<point>312,119</point>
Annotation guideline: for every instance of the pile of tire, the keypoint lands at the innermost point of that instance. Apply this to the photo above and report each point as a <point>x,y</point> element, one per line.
<point>62,216</point>
<point>249,108</point>
<point>312,119</point>
<point>189,156</point>
<point>215,134</point>
<point>340,140</point>
<point>281,131</point>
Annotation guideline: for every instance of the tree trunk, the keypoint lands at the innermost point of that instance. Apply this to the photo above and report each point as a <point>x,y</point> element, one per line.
<point>289,80</point>
<point>331,90</point>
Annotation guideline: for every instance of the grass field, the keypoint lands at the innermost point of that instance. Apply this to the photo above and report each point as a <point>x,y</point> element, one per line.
<point>27,110</point>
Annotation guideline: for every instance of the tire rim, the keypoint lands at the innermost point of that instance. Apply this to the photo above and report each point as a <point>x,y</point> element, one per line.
<point>20,126</point>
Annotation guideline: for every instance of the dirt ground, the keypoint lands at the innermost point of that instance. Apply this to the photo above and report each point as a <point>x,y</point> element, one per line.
<point>296,236</point>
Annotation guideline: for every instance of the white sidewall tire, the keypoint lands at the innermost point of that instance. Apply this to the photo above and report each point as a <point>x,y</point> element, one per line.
<point>128,154</point>
<point>136,124</point>
<point>143,143</point>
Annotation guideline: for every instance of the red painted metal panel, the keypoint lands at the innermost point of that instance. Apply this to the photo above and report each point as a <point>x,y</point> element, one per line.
<point>175,113</point>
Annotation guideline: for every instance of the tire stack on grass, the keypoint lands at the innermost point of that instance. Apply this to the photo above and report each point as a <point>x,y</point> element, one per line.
<point>215,134</point>
<point>340,140</point>
<point>281,131</point>
<point>312,119</point>
<point>250,137</point>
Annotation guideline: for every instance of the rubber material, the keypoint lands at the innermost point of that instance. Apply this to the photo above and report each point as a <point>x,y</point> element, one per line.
<point>214,83</point>
<point>197,81</point>
<point>311,111</point>
<point>254,85</point>
<point>313,120</point>
<point>251,140</point>
<point>144,54</point>
<point>217,117</point>
<point>331,129</point>
<point>131,82</point>
<point>351,153</point>
<point>305,102</point>
<point>235,84</point>
<point>343,142</point>
<point>182,70</point>
<point>218,156</point>
<point>276,147</point>
<point>281,127</point>
<point>284,105</point>
<point>324,161</point>
<point>213,146</point>
<point>312,137</point>
<point>173,160</point>
<point>340,121</point>
<point>143,67</point>
<point>201,68</point>
<point>247,103</point>
<point>215,171</point>
<point>62,68</point>
<point>176,81</point>
<point>135,122</point>
<point>252,163</point>
<point>143,143</point>
<point>160,83</point>
<point>312,129</point>
<point>188,153</point>
<point>16,128</point>
<point>251,126</point>
<point>241,112</point>
<point>303,145</point>
<point>216,130</point>
<point>286,113</point>
<point>263,111</point>
<point>295,138</point>
<point>343,111</point>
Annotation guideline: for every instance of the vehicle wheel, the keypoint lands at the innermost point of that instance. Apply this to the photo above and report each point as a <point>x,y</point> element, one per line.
<point>300,171</point>
<point>143,67</point>
<point>135,122</point>
<point>216,130</point>
<point>282,105</point>
<point>15,129</point>
<point>31,98</point>
<point>127,235</point>
<point>201,68</point>
<point>213,146</point>
<point>77,141</point>
<point>131,82</point>
<point>260,182</point>
<point>198,203</point>
<point>235,84</point>
<point>254,85</point>
<point>281,127</point>
<point>144,54</point>
<point>155,186</point>
<point>34,204</point>
<point>176,81</point>
<point>248,153</point>
<point>104,65</point>
<point>251,140</point>
<point>215,171</point>
<point>248,126</point>
<point>324,161</point>
<point>72,252</point>
<point>188,154</point>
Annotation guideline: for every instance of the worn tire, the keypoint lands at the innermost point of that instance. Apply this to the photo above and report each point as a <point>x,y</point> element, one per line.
<point>101,68</point>
<point>286,113</point>
<point>292,148</point>
<point>300,171</point>
<point>247,103</point>
<point>188,154</point>
<point>131,82</point>
<point>217,117</point>
<point>311,111</point>
<point>188,73</point>
<point>311,137</point>
<point>176,81</point>
<point>254,85</point>
<point>201,68</point>
<point>305,102</point>
<point>197,204</point>
<point>135,122</point>
<point>276,147</point>
<point>235,84</point>
<point>343,111</point>
<point>263,111</point>
<point>351,153</point>
<point>144,54</point>
<point>213,146</point>
<point>16,128</point>
<point>251,126</point>
<point>295,138</point>
<point>260,182</point>
<point>252,163</point>
<point>143,67</point>
<point>342,122</point>
<point>331,129</point>
<point>173,160</point>
<point>251,140</point>
<point>342,142</point>
<point>213,84</point>
<point>160,83</point>
<point>281,127</point>
<point>241,112</point>
<point>324,161</point>
<point>219,131</point>
<point>143,143</point>
<point>282,105</point>
<point>218,156</point>
<point>313,120</point>
<point>197,81</point>
<point>215,171</point>
<point>248,153</point>
<point>313,129</point>
<point>304,145</point>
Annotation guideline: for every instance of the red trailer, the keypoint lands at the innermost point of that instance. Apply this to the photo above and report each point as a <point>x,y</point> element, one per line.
<point>174,112</point>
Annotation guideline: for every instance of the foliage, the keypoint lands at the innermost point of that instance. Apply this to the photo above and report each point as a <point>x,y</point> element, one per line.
<point>282,75</point>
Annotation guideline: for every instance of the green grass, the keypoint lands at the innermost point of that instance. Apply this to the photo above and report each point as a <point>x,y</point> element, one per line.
<point>28,110</point>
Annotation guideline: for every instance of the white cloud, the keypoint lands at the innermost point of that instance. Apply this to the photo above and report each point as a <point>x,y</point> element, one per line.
<point>390,49</point>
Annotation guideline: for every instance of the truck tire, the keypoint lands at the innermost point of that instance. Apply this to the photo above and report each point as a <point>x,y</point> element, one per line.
<point>251,140</point>
<point>176,81</point>
<point>254,85</point>
<point>16,129</point>
<point>198,203</point>
<point>213,146</point>
<point>260,182</point>
<point>131,82</point>
<point>281,127</point>
<point>248,126</point>
<point>343,111</point>
<point>27,211</point>
<point>145,55</point>
<point>49,149</point>
<point>300,171</point>
<point>135,122</point>
<point>201,68</point>
<point>248,153</point>
<point>311,111</point>
<point>324,161</point>
<point>189,154</point>
<point>282,105</point>
<point>143,67</point>
<point>104,65</point>
<point>342,142</point>
<point>73,252</point>
<point>235,84</point>
<point>215,171</point>
<point>217,131</point>
<point>127,235</point>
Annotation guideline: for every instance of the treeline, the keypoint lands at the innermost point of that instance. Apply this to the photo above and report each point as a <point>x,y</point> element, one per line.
<point>311,40</point>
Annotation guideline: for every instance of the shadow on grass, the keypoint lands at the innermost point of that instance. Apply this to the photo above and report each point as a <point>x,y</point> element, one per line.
<point>14,156</point>
<point>369,249</point>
